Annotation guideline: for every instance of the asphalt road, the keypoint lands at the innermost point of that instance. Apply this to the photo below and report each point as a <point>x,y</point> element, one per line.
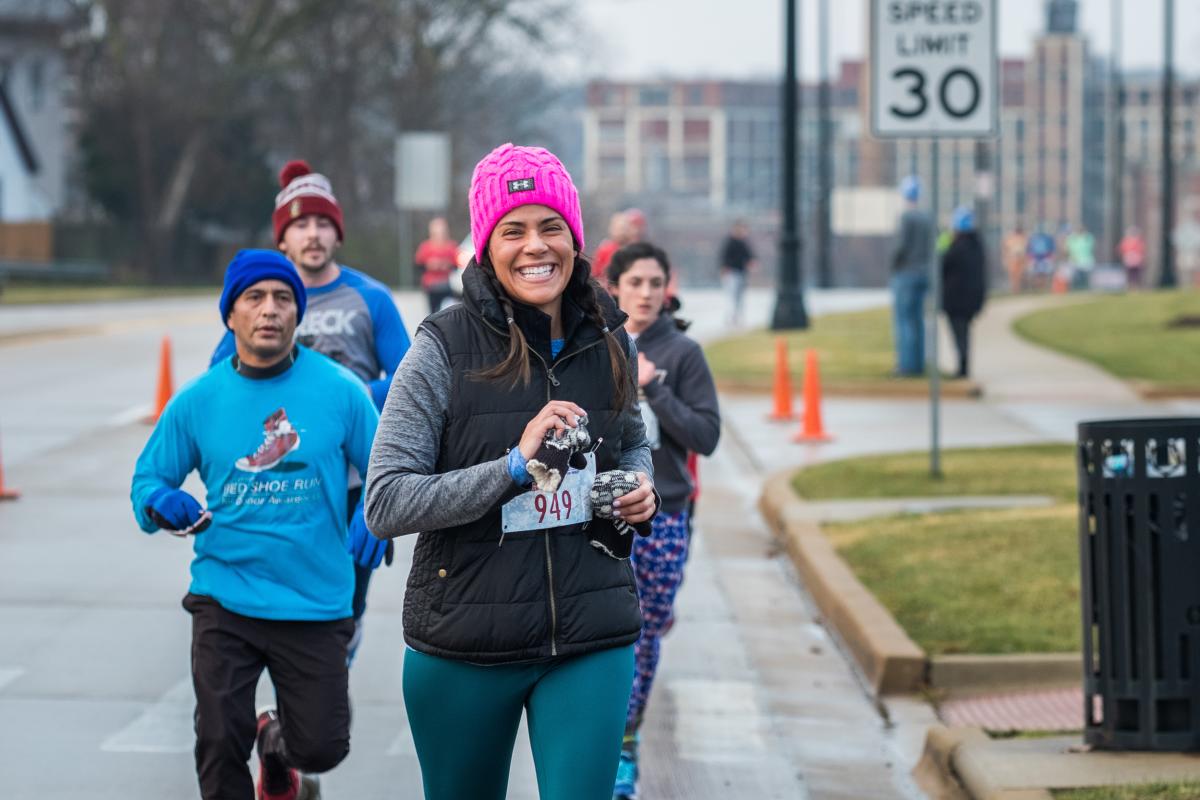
<point>753,701</point>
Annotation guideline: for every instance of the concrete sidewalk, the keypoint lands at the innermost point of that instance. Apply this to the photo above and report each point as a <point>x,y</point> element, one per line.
<point>1030,395</point>
<point>1012,369</point>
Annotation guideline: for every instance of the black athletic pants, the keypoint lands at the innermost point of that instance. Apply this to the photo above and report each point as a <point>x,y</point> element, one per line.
<point>307,663</point>
<point>961,328</point>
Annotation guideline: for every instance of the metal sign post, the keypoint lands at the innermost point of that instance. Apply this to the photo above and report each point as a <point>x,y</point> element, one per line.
<point>422,184</point>
<point>934,69</point>
<point>935,73</point>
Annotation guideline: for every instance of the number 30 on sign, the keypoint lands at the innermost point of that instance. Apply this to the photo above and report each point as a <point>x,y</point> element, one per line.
<point>934,68</point>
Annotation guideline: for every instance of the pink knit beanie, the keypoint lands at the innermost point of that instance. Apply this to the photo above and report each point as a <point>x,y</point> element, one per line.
<point>511,176</point>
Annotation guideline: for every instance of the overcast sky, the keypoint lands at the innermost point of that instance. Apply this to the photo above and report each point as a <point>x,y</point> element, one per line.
<point>743,38</point>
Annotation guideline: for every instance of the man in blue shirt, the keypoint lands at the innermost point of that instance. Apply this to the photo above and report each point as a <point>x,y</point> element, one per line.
<point>272,431</point>
<point>351,317</point>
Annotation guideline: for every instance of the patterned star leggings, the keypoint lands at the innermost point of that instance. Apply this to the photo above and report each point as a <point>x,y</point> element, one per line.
<point>658,561</point>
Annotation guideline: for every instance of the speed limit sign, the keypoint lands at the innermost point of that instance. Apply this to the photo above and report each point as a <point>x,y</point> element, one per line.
<point>934,68</point>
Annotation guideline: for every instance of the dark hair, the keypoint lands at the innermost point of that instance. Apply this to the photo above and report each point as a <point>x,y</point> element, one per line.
<point>623,259</point>
<point>585,292</point>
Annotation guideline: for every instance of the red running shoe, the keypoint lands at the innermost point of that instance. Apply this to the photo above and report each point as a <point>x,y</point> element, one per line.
<point>279,439</point>
<point>276,780</point>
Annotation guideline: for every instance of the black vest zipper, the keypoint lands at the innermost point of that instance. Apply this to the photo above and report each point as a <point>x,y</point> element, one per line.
<point>550,380</point>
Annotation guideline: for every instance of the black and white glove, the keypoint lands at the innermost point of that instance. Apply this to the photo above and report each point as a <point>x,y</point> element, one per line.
<point>616,541</point>
<point>555,456</point>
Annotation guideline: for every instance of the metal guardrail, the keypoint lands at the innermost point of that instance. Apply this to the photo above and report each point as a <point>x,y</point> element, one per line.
<point>55,271</point>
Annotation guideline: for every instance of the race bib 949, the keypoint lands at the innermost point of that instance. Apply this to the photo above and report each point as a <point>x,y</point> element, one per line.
<point>570,505</point>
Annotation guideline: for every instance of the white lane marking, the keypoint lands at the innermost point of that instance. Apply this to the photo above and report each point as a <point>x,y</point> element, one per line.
<point>130,415</point>
<point>717,722</point>
<point>165,727</point>
<point>9,674</point>
<point>403,745</point>
<point>168,726</point>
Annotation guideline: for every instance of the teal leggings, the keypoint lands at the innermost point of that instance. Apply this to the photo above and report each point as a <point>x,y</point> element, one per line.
<point>464,720</point>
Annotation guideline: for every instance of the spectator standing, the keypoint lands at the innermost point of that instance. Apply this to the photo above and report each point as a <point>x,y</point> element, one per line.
<point>964,283</point>
<point>911,262</point>
<point>1016,257</point>
<point>437,257</point>
<point>737,261</point>
<point>1132,250</point>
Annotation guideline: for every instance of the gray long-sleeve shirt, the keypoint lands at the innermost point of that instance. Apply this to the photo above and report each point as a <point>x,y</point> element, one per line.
<point>914,243</point>
<point>403,494</point>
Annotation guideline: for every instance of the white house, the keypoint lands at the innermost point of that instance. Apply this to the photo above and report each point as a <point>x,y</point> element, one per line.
<point>34,136</point>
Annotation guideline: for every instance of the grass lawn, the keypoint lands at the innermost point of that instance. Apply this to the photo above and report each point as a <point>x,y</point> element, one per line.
<point>1029,469</point>
<point>26,294</point>
<point>852,348</point>
<point>991,581</point>
<point>1004,581</point>
<point>1150,791</point>
<point>1130,336</point>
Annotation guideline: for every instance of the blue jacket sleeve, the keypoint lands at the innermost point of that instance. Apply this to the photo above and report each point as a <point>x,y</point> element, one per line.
<point>362,420</point>
<point>168,457</point>
<point>391,341</point>
<point>225,348</point>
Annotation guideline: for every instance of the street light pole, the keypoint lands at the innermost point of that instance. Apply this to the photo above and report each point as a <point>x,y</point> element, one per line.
<point>1116,224</point>
<point>789,298</point>
<point>824,151</point>
<point>1166,277</point>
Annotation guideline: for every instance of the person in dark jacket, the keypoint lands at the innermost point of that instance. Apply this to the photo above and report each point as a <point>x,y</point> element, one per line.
<point>678,402</point>
<point>517,600</point>
<point>964,283</point>
<point>737,261</point>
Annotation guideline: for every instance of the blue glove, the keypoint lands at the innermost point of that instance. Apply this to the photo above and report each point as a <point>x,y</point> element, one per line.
<point>366,550</point>
<point>173,509</point>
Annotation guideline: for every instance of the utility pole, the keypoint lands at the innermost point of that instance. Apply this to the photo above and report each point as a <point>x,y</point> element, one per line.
<point>934,303</point>
<point>789,299</point>
<point>1166,277</point>
<point>1116,223</point>
<point>824,152</point>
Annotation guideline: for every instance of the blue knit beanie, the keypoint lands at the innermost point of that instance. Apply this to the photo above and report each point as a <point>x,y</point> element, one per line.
<point>963,219</point>
<point>251,266</point>
<point>910,188</point>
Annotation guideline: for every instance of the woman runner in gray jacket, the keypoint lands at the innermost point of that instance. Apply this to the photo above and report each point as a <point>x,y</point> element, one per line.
<point>678,402</point>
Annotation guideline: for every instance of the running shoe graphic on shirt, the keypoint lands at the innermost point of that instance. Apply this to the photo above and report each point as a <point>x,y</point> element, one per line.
<point>279,439</point>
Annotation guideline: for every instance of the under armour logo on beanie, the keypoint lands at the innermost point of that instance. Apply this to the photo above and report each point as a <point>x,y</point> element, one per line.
<point>521,185</point>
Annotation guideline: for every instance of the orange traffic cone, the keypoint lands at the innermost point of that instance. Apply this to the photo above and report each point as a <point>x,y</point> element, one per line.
<point>165,385</point>
<point>783,384</point>
<point>811,430</point>
<point>6,494</point>
<point>1061,281</point>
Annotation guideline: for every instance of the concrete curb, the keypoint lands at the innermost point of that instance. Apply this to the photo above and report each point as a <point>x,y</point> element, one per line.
<point>891,662</point>
<point>977,778</point>
<point>964,674</point>
<point>39,335</point>
<point>934,772</point>
<point>1029,769</point>
<point>888,389</point>
<point>947,771</point>
<point>1157,391</point>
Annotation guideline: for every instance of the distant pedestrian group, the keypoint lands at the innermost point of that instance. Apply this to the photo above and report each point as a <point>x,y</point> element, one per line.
<point>960,256</point>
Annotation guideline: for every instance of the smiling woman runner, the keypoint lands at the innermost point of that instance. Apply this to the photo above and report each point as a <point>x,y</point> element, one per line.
<point>538,615</point>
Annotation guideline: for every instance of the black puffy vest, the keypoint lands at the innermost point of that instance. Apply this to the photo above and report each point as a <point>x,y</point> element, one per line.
<point>538,594</point>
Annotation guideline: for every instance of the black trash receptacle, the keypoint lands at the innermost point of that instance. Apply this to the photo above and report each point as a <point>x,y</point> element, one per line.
<point>1139,553</point>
